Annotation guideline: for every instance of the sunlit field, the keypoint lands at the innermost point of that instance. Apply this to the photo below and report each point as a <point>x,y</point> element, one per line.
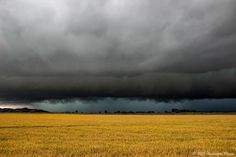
<point>116,135</point>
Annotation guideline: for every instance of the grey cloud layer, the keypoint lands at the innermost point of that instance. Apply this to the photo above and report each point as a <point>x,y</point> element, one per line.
<point>117,48</point>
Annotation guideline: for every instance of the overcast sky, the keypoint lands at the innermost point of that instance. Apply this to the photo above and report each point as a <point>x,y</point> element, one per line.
<point>117,48</point>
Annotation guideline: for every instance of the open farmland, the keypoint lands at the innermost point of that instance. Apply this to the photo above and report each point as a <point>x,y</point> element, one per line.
<point>116,135</point>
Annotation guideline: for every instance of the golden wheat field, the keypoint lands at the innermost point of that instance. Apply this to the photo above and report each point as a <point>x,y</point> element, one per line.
<point>76,135</point>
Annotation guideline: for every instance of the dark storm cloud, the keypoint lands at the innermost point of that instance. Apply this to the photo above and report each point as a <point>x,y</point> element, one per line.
<point>118,48</point>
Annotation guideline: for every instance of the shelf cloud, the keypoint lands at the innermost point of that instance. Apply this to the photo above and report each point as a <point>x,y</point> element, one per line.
<point>56,49</point>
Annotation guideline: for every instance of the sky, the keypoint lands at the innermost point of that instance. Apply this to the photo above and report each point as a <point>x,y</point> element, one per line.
<point>166,49</point>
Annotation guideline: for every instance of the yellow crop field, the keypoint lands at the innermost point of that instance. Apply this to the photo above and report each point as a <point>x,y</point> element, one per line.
<point>76,135</point>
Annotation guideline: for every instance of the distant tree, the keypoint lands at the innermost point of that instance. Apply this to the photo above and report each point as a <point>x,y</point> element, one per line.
<point>175,110</point>
<point>117,111</point>
<point>76,111</point>
<point>105,111</point>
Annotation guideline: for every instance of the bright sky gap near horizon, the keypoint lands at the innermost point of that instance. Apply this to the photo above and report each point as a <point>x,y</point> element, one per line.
<point>96,105</point>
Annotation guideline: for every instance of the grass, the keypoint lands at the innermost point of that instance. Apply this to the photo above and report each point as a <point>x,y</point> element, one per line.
<point>60,135</point>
